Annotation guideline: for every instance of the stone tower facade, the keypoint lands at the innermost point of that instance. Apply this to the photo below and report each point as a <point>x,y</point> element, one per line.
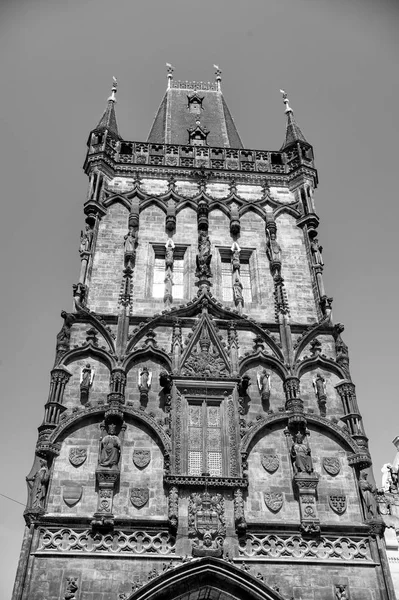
<point>202,437</point>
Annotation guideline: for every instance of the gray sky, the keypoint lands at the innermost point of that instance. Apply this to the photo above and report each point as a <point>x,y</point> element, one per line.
<point>337,59</point>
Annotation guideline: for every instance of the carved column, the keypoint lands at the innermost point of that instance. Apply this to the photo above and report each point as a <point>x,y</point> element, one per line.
<point>177,346</point>
<point>54,406</point>
<point>352,417</point>
<point>173,509</point>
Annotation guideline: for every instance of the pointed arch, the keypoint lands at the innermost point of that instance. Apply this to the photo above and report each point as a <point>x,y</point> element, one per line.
<point>309,335</point>
<point>258,210</point>
<point>218,205</point>
<point>287,208</point>
<point>85,352</point>
<point>149,352</point>
<point>117,199</point>
<point>264,359</point>
<point>308,364</point>
<point>152,201</point>
<point>206,572</point>
<point>187,202</point>
<point>250,438</point>
<point>99,410</point>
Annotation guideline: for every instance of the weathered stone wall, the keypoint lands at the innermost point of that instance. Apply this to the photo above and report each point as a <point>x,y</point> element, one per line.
<point>107,270</point>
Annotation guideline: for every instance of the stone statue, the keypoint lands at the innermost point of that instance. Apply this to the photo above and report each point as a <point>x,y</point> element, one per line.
<point>300,455</point>
<point>204,255</point>
<point>145,379</point>
<point>168,284</point>
<point>86,239</point>
<point>169,248</point>
<point>273,249</point>
<point>130,241</point>
<point>340,592</point>
<point>386,477</point>
<point>38,485</point>
<point>319,385</point>
<point>394,478</point>
<point>86,377</point>
<point>110,448</point>
<point>263,378</point>
<point>316,252</point>
<point>237,289</point>
<point>235,259</point>
<point>367,492</point>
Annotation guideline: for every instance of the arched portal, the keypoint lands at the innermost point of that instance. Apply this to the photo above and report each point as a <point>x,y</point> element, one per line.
<point>205,579</point>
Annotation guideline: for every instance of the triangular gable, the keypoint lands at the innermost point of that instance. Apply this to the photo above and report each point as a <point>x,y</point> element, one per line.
<point>205,355</point>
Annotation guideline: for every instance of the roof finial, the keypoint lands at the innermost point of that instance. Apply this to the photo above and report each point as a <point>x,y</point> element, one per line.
<point>112,97</point>
<point>285,100</point>
<point>170,74</point>
<point>218,74</point>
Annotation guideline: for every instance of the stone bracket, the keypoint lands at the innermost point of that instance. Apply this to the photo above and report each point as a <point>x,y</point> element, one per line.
<point>306,484</point>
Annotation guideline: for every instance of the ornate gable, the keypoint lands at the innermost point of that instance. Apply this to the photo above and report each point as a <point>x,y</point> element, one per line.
<point>205,355</point>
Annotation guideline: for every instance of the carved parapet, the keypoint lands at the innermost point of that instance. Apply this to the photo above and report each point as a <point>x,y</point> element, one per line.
<point>306,484</point>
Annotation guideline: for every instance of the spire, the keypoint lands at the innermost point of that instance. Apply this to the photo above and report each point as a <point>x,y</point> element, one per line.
<point>293,132</point>
<point>108,120</point>
<point>186,102</point>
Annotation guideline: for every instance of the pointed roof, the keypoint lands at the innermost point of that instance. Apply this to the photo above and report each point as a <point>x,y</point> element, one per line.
<point>186,101</point>
<point>108,120</point>
<point>292,132</point>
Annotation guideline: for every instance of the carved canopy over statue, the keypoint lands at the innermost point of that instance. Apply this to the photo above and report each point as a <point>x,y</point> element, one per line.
<point>301,455</point>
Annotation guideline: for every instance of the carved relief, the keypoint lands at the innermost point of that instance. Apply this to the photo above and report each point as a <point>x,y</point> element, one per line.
<point>331,465</point>
<point>110,448</point>
<point>301,454</point>
<point>71,588</point>
<point>205,360</point>
<point>141,458</point>
<point>77,456</point>
<point>206,523</point>
<point>173,508</point>
<point>139,496</point>
<point>139,542</point>
<point>337,503</point>
<point>232,438</point>
<point>295,546</point>
<point>270,462</point>
<point>273,500</point>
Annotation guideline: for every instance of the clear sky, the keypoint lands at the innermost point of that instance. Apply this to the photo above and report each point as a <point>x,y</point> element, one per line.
<point>338,59</point>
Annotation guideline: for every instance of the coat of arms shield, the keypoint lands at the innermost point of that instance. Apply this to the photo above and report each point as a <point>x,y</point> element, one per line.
<point>141,458</point>
<point>77,456</point>
<point>337,503</point>
<point>270,462</point>
<point>139,496</point>
<point>273,500</point>
<point>331,465</point>
<point>72,494</point>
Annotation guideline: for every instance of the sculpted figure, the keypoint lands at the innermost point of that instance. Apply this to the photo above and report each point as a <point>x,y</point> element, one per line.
<point>130,241</point>
<point>86,377</point>
<point>235,259</point>
<point>273,249</point>
<point>145,379</point>
<point>316,252</point>
<point>386,477</point>
<point>110,448</point>
<point>237,289</point>
<point>367,492</point>
<point>300,454</point>
<point>319,385</point>
<point>168,284</point>
<point>38,485</point>
<point>264,385</point>
<point>169,247</point>
<point>86,237</point>
<point>204,255</point>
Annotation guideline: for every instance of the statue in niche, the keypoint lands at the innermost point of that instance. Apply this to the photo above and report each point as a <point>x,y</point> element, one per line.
<point>319,386</point>
<point>316,252</point>
<point>86,381</point>
<point>263,378</point>
<point>235,256</point>
<point>86,238</point>
<point>38,485</point>
<point>169,248</point>
<point>367,492</point>
<point>64,336</point>
<point>110,448</point>
<point>237,289</point>
<point>273,248</point>
<point>168,284</point>
<point>145,380</point>
<point>301,455</point>
<point>204,255</point>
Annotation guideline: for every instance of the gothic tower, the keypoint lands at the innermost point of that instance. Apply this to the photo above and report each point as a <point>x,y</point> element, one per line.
<point>202,437</point>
